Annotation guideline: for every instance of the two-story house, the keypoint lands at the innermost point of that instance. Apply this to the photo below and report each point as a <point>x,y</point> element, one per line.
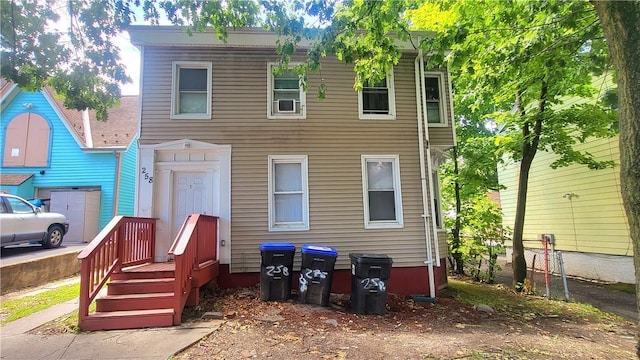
<point>79,166</point>
<point>221,134</point>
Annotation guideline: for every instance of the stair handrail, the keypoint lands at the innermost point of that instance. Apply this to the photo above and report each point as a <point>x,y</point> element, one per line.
<point>195,244</point>
<point>125,241</point>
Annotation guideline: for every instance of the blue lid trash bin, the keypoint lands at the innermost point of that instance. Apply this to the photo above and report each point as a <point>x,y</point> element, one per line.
<point>316,274</point>
<point>275,270</point>
<point>369,275</point>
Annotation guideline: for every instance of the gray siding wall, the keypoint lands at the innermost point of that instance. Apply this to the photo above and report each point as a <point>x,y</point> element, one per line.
<point>332,136</point>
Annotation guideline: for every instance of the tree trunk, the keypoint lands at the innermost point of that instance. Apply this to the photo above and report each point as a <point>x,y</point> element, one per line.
<point>529,149</point>
<point>518,262</point>
<point>621,23</point>
<point>457,255</point>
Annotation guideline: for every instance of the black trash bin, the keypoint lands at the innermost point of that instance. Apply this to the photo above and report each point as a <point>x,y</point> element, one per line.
<point>369,275</point>
<point>275,270</point>
<point>316,274</point>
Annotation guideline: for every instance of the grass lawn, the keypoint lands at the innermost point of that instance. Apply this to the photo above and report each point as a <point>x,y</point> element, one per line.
<point>14,309</point>
<point>506,300</point>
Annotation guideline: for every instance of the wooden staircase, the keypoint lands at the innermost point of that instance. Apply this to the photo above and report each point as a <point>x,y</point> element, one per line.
<point>141,293</point>
<point>137,297</point>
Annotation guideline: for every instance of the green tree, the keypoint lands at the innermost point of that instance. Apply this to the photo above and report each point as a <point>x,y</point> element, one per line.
<point>470,172</point>
<point>522,58</point>
<point>472,169</point>
<point>483,237</point>
<point>82,63</point>
<point>621,23</point>
<point>528,53</point>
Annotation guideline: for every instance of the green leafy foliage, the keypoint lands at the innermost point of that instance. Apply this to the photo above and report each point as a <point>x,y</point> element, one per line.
<point>30,51</point>
<point>83,65</point>
<point>516,62</point>
<point>482,237</point>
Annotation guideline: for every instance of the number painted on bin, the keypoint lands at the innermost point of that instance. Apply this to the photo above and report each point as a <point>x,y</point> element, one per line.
<point>310,274</point>
<point>277,270</point>
<point>373,284</point>
<point>303,283</point>
<point>315,274</point>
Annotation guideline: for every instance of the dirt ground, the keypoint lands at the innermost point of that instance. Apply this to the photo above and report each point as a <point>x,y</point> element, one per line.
<point>446,329</point>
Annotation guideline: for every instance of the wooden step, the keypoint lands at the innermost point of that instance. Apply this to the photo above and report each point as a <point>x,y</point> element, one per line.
<point>140,286</point>
<point>146,271</point>
<point>134,319</point>
<point>143,275</point>
<point>124,302</point>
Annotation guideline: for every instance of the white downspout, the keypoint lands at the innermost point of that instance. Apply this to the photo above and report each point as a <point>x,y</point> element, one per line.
<point>136,190</point>
<point>429,166</point>
<point>86,123</point>
<point>425,215</point>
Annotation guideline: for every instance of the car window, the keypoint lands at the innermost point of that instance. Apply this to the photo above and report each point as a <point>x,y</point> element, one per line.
<point>19,206</point>
<point>3,208</point>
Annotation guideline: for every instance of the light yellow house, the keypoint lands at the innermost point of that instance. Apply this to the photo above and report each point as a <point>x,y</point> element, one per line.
<point>582,208</point>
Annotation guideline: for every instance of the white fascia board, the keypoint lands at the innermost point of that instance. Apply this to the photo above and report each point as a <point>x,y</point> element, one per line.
<point>146,35</point>
<point>104,149</point>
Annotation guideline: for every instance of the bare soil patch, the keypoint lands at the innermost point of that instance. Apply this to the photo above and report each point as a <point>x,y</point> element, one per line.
<point>446,329</point>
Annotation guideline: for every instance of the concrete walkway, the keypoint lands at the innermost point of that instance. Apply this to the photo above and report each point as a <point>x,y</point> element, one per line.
<point>153,343</point>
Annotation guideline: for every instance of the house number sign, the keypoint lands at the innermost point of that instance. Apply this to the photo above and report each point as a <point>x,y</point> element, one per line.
<point>146,175</point>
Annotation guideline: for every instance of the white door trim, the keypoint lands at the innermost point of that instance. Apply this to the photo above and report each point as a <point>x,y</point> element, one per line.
<point>155,176</point>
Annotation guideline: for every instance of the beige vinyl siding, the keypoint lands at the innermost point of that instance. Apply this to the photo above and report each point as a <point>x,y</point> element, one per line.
<point>332,136</point>
<point>593,221</point>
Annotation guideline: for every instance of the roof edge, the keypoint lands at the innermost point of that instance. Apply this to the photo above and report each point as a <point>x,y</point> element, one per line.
<point>8,94</point>
<point>254,37</point>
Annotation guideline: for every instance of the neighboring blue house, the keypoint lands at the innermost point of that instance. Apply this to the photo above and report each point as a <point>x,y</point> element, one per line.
<point>79,166</point>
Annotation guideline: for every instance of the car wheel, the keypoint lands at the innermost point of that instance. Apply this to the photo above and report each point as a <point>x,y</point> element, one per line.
<point>54,237</point>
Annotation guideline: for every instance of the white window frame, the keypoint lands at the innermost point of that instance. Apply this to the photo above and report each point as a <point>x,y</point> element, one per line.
<point>175,106</point>
<point>270,89</point>
<point>392,102</point>
<point>289,226</point>
<point>443,96</point>
<point>386,224</point>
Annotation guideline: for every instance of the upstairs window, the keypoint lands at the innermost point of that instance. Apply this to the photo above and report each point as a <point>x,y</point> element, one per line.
<point>435,96</point>
<point>191,90</point>
<point>286,97</point>
<point>288,193</point>
<point>377,100</point>
<point>381,191</point>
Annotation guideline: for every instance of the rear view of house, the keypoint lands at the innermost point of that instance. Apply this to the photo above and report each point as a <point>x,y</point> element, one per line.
<point>222,134</point>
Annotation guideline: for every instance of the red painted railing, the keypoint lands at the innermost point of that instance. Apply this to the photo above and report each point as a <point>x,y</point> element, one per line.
<point>125,241</point>
<point>195,244</point>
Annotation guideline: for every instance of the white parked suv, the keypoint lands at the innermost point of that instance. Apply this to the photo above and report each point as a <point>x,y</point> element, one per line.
<point>22,222</point>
